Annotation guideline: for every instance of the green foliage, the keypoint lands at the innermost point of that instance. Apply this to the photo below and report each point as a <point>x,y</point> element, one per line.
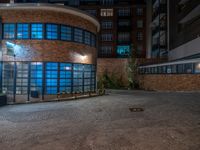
<point>132,70</point>
<point>110,81</point>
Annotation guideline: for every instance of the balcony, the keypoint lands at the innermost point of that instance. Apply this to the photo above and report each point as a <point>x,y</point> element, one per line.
<point>158,29</point>
<point>160,11</point>
<point>158,46</point>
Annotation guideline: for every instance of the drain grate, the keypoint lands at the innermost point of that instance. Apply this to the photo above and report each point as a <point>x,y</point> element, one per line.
<point>136,109</point>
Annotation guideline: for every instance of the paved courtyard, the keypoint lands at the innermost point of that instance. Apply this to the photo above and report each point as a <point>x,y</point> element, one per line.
<point>170,121</point>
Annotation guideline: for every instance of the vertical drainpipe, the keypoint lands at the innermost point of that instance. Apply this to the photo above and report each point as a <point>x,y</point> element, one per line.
<point>97,48</point>
<point>168,28</point>
<point>1,68</point>
<point>159,11</point>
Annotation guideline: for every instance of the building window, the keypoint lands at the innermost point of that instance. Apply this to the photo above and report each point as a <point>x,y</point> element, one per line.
<point>78,35</point>
<point>22,78</point>
<point>124,23</point>
<point>124,37</point>
<point>36,81</point>
<point>65,80</point>
<point>37,31</point>
<point>107,2</point>
<point>139,36</point>
<point>78,78</point>
<point>106,37</point>
<point>106,24</point>
<point>197,68</point>
<point>123,50</point>
<point>124,12</point>
<point>8,77</point>
<point>188,68</point>
<point>9,31</point>
<point>106,50</point>
<point>139,11</point>
<point>106,12</point>
<point>92,12</point>
<point>87,78</point>
<point>23,31</point>
<point>51,78</point>
<point>93,40</point>
<point>180,68</point>
<point>139,23</point>
<point>52,31</point>
<point>66,33</point>
<point>87,38</point>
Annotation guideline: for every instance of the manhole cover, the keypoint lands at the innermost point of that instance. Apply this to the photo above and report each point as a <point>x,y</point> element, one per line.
<point>136,109</point>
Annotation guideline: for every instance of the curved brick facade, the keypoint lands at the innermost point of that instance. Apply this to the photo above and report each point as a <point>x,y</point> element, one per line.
<point>46,50</point>
<point>49,50</point>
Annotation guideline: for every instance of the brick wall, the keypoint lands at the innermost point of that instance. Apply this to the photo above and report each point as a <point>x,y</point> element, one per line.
<point>185,82</point>
<point>45,16</point>
<point>118,66</point>
<point>48,50</point>
<point>112,66</point>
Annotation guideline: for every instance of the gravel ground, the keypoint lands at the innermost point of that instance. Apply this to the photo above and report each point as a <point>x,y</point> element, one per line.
<point>170,121</point>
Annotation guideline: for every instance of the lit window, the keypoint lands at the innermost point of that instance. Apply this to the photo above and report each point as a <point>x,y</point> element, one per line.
<point>36,77</point>
<point>197,68</point>
<point>51,78</point>
<point>22,31</point>
<point>9,31</point>
<point>87,38</point>
<point>22,78</point>
<point>65,77</point>
<point>123,50</point>
<point>78,35</point>
<point>36,31</point>
<point>66,33</point>
<point>52,31</point>
<point>78,78</point>
<point>106,12</point>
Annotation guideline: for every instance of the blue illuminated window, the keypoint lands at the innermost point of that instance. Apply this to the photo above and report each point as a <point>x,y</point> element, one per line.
<point>87,38</point>
<point>9,31</point>
<point>36,76</point>
<point>66,33</point>
<point>65,77</point>
<point>78,35</point>
<point>51,78</point>
<point>22,31</point>
<point>36,31</point>
<point>52,31</point>
<point>123,50</point>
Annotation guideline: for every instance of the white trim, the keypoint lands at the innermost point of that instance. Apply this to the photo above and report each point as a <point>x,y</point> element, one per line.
<point>196,60</point>
<point>53,7</point>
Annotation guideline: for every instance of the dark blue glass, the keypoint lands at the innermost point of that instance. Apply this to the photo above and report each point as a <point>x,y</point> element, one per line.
<point>52,31</point>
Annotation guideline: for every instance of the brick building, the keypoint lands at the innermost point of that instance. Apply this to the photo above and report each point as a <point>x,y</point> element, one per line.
<point>122,24</point>
<point>45,50</point>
